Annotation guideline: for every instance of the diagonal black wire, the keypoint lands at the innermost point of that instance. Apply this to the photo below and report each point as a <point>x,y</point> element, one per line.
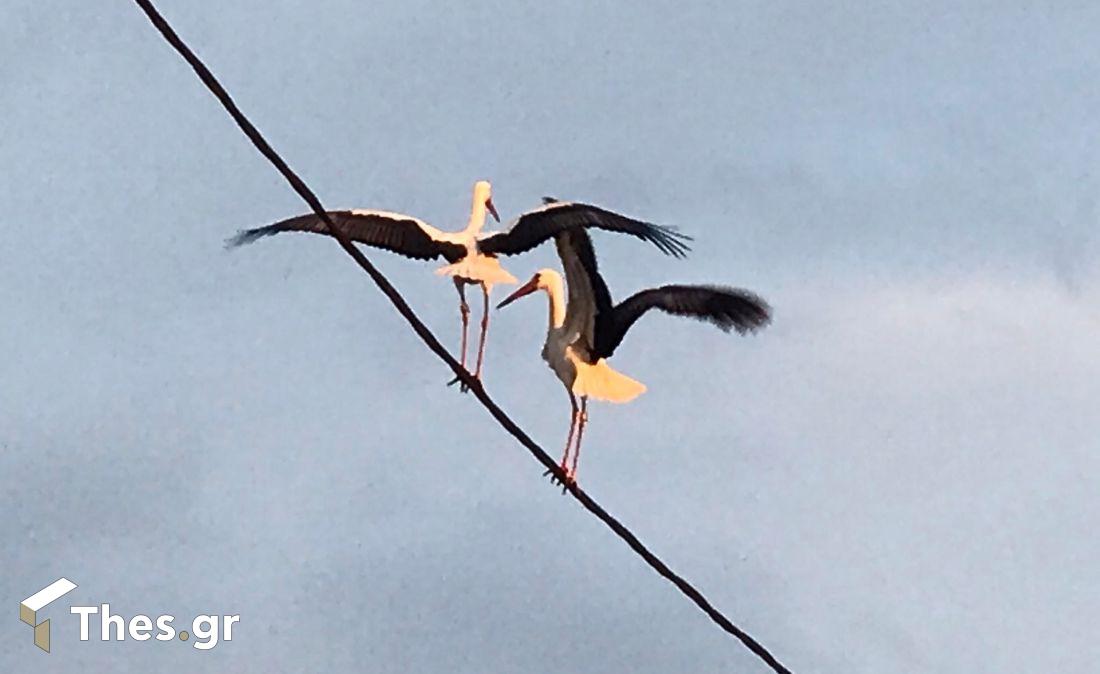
<point>430,340</point>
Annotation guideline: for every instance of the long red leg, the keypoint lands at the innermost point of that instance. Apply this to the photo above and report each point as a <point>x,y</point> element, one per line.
<point>484,332</point>
<point>572,430</point>
<point>580,433</point>
<point>573,418</point>
<point>464,309</point>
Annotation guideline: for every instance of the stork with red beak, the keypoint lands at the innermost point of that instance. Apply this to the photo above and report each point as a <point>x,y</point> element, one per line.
<point>586,328</point>
<point>472,254</point>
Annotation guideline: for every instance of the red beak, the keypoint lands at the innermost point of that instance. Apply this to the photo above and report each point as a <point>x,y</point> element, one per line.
<point>527,288</point>
<point>492,209</point>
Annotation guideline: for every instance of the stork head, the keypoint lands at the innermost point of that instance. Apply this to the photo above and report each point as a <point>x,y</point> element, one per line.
<point>483,196</point>
<point>543,279</point>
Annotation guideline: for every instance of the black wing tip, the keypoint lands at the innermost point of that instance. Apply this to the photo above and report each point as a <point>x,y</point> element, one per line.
<point>670,240</point>
<point>741,310</point>
<point>244,236</point>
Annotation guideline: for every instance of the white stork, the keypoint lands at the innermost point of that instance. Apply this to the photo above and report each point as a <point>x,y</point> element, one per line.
<point>586,328</point>
<point>472,254</point>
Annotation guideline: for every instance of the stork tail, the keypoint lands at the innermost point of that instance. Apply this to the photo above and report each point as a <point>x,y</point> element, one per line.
<point>484,269</point>
<point>600,382</point>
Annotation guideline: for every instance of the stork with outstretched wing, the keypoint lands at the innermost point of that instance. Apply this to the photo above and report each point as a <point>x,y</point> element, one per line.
<point>586,327</point>
<point>472,254</point>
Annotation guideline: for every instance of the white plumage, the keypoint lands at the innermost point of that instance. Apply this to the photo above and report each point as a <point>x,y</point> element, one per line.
<point>585,328</point>
<point>472,255</point>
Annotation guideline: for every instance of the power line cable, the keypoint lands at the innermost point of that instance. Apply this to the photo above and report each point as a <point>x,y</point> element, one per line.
<point>422,331</point>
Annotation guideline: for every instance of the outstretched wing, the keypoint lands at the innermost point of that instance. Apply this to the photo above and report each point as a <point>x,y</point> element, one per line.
<point>394,232</point>
<point>728,308</point>
<point>588,295</point>
<point>534,227</point>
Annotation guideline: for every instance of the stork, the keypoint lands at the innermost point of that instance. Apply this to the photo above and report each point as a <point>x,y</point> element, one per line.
<point>586,328</point>
<point>472,254</point>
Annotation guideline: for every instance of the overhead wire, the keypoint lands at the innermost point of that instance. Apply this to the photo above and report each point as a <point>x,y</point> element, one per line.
<point>429,339</point>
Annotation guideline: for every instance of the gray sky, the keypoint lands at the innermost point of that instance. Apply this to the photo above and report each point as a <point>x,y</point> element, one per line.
<point>898,475</point>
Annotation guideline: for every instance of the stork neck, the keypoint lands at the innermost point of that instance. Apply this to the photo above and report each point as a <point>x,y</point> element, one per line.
<point>477,217</point>
<point>555,292</point>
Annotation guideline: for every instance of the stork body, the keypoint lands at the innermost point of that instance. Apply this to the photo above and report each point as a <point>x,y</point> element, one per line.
<point>585,327</point>
<point>471,254</point>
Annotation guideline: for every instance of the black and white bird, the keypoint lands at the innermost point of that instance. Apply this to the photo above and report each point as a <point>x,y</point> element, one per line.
<point>472,254</point>
<point>586,328</point>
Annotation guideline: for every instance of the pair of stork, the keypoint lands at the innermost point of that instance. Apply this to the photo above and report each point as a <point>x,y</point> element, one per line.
<point>585,327</point>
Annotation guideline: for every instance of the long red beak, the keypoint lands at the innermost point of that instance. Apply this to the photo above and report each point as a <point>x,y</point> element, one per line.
<point>492,209</point>
<point>527,288</point>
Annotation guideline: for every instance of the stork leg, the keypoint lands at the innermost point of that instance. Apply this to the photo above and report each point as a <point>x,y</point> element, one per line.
<point>583,421</point>
<point>463,309</point>
<point>484,331</point>
<point>574,417</point>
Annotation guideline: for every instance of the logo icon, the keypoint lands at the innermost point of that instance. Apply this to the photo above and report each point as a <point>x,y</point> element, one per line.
<point>29,608</point>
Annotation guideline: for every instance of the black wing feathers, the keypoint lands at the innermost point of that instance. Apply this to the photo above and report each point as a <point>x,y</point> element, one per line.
<point>394,233</point>
<point>535,227</point>
<point>728,308</point>
<point>581,243</point>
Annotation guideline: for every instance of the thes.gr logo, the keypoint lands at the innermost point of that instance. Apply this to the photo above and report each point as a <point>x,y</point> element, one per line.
<point>206,630</point>
<point>29,608</point>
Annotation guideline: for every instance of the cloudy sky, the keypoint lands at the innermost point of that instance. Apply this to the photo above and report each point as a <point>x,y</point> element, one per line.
<point>899,475</point>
